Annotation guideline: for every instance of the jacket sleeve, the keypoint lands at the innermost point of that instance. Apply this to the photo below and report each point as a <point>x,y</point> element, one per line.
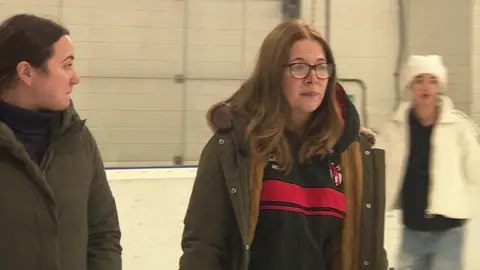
<point>379,157</point>
<point>104,249</point>
<point>209,217</point>
<point>471,152</point>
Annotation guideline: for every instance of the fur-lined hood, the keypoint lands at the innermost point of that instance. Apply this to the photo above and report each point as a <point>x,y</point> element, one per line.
<point>221,118</point>
<point>369,134</point>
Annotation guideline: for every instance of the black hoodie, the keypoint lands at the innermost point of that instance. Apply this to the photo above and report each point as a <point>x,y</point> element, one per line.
<point>302,211</point>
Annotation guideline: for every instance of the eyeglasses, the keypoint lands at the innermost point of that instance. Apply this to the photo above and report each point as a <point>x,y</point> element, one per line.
<point>302,70</point>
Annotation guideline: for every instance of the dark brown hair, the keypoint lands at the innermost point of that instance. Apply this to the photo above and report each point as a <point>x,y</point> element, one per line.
<point>263,103</point>
<point>29,38</point>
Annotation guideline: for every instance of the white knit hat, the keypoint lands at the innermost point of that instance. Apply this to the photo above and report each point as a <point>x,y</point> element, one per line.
<point>425,64</point>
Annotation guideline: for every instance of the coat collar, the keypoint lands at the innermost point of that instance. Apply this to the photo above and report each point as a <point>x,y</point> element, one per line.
<point>222,118</point>
<point>445,105</point>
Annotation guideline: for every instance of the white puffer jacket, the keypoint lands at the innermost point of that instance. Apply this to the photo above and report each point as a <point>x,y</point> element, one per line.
<point>454,161</point>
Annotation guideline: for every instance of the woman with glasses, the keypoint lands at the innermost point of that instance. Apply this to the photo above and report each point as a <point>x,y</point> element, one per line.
<point>289,180</point>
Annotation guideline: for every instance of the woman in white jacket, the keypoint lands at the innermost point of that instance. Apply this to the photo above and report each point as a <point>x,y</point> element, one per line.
<point>432,158</point>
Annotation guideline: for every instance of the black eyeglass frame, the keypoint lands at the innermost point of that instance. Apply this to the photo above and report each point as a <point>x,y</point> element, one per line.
<point>330,67</point>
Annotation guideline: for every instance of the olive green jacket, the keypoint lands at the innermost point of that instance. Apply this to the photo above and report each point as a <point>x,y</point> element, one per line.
<point>217,229</point>
<point>60,215</point>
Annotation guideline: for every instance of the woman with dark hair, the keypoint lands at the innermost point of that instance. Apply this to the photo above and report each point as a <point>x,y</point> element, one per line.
<point>289,180</point>
<point>56,207</point>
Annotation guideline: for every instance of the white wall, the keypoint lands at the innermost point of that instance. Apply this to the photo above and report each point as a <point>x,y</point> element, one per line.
<point>476,61</point>
<point>363,37</point>
<point>448,32</point>
<point>129,51</point>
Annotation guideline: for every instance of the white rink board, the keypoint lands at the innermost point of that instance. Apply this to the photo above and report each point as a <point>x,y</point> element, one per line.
<point>151,212</point>
<point>152,204</point>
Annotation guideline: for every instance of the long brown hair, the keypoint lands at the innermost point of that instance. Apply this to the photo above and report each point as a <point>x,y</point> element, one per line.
<point>352,166</point>
<point>263,103</point>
